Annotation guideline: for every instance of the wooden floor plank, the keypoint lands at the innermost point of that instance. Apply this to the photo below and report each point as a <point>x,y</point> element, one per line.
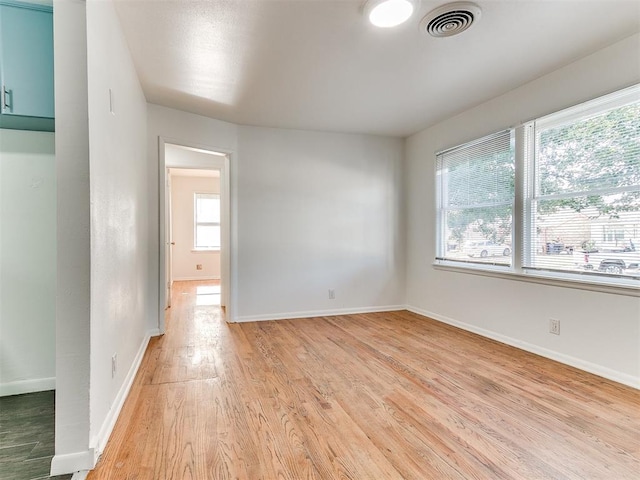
<point>483,402</point>
<point>396,377</point>
<point>374,396</point>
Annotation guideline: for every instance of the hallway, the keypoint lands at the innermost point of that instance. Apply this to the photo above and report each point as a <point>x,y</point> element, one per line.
<point>161,424</point>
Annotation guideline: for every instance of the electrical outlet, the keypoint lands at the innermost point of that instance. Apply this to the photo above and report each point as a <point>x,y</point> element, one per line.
<point>199,266</point>
<point>114,365</point>
<point>332,294</point>
<point>554,326</point>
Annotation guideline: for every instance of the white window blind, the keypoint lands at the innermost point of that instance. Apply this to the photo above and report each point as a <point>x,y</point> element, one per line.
<point>475,184</point>
<point>582,200</point>
<point>206,221</point>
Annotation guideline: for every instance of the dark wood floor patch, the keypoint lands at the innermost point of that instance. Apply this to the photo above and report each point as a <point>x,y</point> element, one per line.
<point>27,436</point>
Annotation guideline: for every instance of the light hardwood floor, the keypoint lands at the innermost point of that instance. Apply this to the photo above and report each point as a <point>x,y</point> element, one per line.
<point>375,396</point>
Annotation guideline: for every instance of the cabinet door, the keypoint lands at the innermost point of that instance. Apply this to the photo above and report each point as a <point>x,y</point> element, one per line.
<point>26,61</point>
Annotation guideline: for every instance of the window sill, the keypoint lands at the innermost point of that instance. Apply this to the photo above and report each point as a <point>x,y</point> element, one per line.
<point>565,280</point>
<point>205,250</point>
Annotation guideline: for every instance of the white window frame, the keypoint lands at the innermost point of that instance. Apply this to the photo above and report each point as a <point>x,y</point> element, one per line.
<point>441,247</point>
<point>523,219</point>
<point>197,223</point>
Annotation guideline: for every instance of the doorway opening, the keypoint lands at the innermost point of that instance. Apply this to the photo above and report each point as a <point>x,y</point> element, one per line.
<point>194,226</point>
<point>194,223</point>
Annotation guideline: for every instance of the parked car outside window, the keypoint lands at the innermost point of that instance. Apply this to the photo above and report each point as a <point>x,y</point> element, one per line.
<point>487,248</point>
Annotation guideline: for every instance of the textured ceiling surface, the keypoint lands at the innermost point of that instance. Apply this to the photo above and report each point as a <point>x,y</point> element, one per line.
<point>317,64</point>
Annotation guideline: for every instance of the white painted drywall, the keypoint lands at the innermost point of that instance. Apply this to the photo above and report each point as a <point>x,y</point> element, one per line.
<point>318,211</point>
<point>103,239</point>
<point>600,332</point>
<point>27,261</point>
<point>119,213</point>
<point>73,245</point>
<point>310,211</point>
<point>184,259</point>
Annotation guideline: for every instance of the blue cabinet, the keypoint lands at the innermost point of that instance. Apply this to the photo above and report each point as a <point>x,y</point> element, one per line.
<point>26,66</point>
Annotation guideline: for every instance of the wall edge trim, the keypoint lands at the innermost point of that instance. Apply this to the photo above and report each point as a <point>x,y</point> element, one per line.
<point>318,313</point>
<point>599,370</point>
<point>73,462</point>
<point>100,440</point>
<point>188,279</point>
<point>27,386</point>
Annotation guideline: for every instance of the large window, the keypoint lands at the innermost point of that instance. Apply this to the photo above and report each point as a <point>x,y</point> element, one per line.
<point>206,221</point>
<point>476,199</point>
<point>575,176</point>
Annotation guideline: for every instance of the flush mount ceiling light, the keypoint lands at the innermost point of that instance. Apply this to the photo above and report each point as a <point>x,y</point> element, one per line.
<point>450,19</point>
<point>388,13</point>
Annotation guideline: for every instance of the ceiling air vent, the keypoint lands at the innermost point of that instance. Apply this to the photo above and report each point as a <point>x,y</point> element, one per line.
<point>450,19</point>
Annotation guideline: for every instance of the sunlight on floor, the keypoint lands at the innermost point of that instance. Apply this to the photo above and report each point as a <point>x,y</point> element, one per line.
<point>207,289</point>
<point>207,295</point>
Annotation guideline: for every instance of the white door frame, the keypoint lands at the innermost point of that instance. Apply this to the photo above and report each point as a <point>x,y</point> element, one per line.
<point>216,162</point>
<point>169,239</point>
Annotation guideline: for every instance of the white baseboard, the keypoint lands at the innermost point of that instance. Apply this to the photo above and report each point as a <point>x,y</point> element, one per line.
<point>318,313</point>
<point>100,440</point>
<point>184,279</point>
<point>596,369</point>
<point>154,332</point>
<point>80,463</point>
<point>27,386</point>
<point>73,462</point>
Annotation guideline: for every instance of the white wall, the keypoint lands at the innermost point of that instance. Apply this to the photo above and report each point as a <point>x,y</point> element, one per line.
<point>73,244</point>
<point>318,211</point>
<point>310,211</point>
<point>119,229</point>
<point>27,261</point>
<point>184,259</point>
<point>600,332</point>
<point>102,228</point>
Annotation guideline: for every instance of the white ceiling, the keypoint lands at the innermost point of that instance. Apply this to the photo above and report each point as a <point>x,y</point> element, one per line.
<point>317,64</point>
